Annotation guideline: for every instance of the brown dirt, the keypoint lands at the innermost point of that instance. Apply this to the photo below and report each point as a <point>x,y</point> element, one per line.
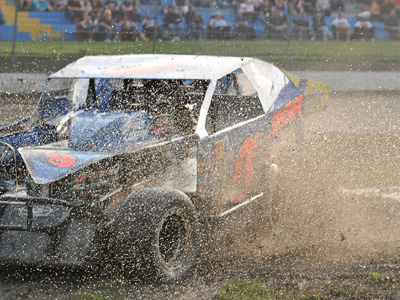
<point>340,221</point>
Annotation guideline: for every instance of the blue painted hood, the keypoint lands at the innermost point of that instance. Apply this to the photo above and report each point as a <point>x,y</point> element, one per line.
<point>93,137</point>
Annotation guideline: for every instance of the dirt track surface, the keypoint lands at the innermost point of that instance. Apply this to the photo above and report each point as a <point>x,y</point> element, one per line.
<point>339,220</point>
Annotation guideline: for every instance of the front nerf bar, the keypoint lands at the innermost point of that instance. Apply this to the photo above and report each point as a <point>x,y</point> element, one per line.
<point>29,203</point>
<point>15,161</point>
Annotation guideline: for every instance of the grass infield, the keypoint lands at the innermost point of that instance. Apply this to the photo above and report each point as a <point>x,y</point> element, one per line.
<point>332,55</point>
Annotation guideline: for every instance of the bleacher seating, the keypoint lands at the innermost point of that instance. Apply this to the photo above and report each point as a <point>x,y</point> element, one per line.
<point>7,34</point>
<point>48,25</point>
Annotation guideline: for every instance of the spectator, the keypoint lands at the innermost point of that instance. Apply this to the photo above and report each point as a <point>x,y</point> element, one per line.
<point>85,28</point>
<point>363,29</point>
<point>392,26</point>
<point>148,25</point>
<point>218,28</point>
<point>257,6</point>
<point>301,27</point>
<point>107,26</point>
<point>396,4</point>
<point>136,15</point>
<point>386,8</point>
<point>172,24</point>
<point>146,2</point>
<point>309,7</point>
<point>324,7</point>
<point>194,22</point>
<point>164,9</point>
<point>128,28</point>
<point>276,26</point>
<point>126,7</point>
<point>25,5</point>
<point>185,7</point>
<point>96,17</point>
<point>41,5</point>
<point>248,11</point>
<point>166,4</point>
<point>137,4</point>
<point>240,24</point>
<point>2,19</point>
<point>281,6</point>
<point>113,5</point>
<point>265,9</point>
<point>59,5</point>
<point>235,4</point>
<point>375,11</point>
<point>97,8</point>
<point>87,6</point>
<point>74,11</point>
<point>217,3</point>
<point>337,5</point>
<point>319,27</point>
<point>341,26</point>
<point>296,7</point>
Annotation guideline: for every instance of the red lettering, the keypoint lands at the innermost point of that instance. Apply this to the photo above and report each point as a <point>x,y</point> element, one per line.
<point>60,160</point>
<point>244,167</point>
<point>286,114</point>
<point>82,177</point>
<point>219,149</point>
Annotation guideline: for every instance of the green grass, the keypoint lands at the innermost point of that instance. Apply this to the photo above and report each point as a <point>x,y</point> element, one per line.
<point>382,52</point>
<point>246,289</point>
<point>106,289</point>
<point>243,289</point>
<point>84,295</point>
<point>383,280</point>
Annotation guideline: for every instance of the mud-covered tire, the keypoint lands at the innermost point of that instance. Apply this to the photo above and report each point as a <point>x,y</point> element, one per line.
<point>156,234</point>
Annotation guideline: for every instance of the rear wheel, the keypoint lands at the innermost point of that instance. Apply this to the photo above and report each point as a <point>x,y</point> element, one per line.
<point>157,234</point>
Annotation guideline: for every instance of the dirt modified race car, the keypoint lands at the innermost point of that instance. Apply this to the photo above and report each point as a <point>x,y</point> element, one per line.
<point>130,154</point>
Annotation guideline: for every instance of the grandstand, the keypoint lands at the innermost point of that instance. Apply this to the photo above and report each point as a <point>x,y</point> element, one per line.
<point>32,26</point>
<point>38,25</point>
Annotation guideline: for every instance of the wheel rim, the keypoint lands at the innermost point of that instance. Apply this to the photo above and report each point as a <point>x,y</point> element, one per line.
<point>174,241</point>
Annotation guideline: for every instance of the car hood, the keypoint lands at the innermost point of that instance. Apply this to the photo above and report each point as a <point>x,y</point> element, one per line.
<point>55,161</point>
<point>93,136</point>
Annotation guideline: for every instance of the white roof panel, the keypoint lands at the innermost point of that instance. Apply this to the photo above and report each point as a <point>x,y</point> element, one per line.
<point>150,66</point>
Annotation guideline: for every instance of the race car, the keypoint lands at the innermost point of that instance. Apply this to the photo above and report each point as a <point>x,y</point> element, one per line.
<point>128,156</point>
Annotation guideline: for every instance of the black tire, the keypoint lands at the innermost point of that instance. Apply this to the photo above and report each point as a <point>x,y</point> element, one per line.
<point>156,234</point>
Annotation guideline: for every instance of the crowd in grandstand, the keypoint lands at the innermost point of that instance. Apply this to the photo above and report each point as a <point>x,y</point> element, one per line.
<point>112,20</point>
<point>2,18</point>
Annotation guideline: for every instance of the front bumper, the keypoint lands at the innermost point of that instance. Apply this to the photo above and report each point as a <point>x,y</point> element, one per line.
<point>42,231</point>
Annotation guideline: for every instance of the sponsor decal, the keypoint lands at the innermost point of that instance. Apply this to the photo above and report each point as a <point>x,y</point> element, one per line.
<point>316,96</point>
<point>84,176</point>
<point>218,150</point>
<point>127,127</point>
<point>244,167</point>
<point>60,160</point>
<point>286,114</point>
<point>140,69</point>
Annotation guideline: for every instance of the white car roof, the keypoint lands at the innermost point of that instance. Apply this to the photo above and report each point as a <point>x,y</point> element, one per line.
<point>152,66</point>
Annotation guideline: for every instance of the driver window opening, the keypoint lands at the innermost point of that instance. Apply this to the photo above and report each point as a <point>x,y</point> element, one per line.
<point>174,105</point>
<point>235,100</point>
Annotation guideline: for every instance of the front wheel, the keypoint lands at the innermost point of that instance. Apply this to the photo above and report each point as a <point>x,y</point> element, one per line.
<point>157,233</point>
